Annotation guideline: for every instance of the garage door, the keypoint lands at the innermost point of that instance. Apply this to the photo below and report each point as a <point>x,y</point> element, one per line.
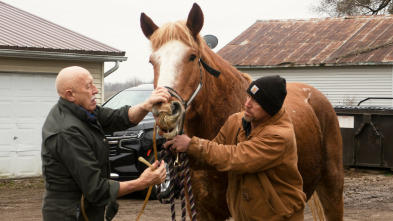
<point>25,100</point>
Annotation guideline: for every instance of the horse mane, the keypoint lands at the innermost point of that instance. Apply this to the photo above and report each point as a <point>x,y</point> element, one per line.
<point>175,31</point>
<point>179,31</point>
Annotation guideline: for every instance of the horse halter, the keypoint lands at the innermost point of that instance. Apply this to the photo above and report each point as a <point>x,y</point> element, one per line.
<point>209,69</point>
<point>187,103</point>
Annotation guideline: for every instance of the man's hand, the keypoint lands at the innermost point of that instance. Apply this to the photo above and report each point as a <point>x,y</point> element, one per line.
<point>178,143</point>
<point>159,95</point>
<point>154,177</point>
<point>149,177</point>
<point>136,113</point>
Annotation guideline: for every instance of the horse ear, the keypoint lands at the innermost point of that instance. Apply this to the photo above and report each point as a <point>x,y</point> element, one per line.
<point>195,20</point>
<point>147,25</point>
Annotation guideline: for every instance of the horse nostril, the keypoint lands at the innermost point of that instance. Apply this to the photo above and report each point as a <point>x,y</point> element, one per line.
<point>176,107</point>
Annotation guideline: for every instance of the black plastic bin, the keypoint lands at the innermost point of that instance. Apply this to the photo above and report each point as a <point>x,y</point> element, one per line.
<point>367,134</point>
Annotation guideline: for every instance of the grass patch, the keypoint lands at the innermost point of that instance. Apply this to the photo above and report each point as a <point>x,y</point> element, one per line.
<point>30,183</point>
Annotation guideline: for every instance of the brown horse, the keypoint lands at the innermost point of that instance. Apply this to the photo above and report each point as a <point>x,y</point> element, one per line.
<point>178,54</point>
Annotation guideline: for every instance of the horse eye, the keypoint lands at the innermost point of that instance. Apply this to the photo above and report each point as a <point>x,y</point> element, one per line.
<point>192,57</point>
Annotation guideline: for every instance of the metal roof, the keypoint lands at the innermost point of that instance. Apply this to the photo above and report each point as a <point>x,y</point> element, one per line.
<point>22,31</point>
<point>353,40</point>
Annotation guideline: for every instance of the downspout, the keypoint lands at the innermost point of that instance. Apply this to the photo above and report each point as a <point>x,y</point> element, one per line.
<point>110,71</point>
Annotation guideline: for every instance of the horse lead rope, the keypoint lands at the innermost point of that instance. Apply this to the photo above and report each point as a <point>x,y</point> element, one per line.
<point>149,165</point>
<point>174,178</point>
<point>83,208</point>
<point>185,175</point>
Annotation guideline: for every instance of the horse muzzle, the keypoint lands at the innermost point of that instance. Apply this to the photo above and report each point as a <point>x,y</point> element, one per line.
<point>169,118</point>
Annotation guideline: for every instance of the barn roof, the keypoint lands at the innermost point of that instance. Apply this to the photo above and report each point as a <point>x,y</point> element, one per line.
<point>26,33</point>
<point>352,40</point>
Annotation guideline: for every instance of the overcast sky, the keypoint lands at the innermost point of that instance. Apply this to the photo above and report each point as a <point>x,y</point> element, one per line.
<point>116,22</point>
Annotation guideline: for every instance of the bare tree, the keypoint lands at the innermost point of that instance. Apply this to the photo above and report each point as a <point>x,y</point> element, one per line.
<point>338,8</point>
<point>112,88</point>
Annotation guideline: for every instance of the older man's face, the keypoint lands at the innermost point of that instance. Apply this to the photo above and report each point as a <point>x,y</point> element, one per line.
<point>85,93</point>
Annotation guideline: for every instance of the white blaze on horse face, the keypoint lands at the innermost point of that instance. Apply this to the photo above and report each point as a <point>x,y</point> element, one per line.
<point>169,57</point>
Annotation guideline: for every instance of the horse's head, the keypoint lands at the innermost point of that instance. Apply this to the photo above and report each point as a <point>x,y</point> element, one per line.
<point>176,52</point>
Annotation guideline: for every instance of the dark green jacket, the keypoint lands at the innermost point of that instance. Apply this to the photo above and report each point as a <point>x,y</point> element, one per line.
<point>75,160</point>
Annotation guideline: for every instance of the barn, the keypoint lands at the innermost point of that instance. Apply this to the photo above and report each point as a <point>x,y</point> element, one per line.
<point>347,58</point>
<point>32,52</point>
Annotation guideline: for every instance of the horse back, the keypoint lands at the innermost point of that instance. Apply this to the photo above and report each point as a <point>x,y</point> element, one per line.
<point>312,116</point>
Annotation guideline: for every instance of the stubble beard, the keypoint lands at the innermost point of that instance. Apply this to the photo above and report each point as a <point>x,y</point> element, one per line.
<point>248,118</point>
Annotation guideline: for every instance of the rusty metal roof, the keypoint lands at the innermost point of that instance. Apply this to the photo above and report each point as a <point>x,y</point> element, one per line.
<point>20,30</point>
<point>350,40</point>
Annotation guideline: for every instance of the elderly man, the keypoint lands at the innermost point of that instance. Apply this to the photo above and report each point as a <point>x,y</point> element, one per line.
<point>75,152</point>
<point>257,147</point>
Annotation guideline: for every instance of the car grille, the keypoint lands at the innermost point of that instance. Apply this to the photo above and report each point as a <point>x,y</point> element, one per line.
<point>116,144</point>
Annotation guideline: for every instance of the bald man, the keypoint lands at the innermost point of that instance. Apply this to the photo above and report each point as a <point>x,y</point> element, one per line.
<point>75,152</point>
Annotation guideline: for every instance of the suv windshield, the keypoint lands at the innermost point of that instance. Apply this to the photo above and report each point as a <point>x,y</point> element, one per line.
<point>128,97</point>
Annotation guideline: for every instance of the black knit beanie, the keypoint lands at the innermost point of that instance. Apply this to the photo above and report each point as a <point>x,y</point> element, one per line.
<point>269,92</point>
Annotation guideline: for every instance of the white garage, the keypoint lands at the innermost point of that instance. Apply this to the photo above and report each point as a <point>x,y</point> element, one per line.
<point>25,100</point>
<point>28,69</point>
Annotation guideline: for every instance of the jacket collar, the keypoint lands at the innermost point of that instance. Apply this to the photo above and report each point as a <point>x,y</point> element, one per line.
<point>79,111</point>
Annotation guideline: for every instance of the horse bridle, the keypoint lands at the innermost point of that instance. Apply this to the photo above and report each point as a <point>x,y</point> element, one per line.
<point>184,164</point>
<point>187,103</point>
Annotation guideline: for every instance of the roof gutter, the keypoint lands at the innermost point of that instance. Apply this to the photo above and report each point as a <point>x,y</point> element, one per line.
<point>113,69</point>
<point>59,55</point>
<point>313,65</point>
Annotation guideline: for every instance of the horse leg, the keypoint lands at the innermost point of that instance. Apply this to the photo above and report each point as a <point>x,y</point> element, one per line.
<point>209,189</point>
<point>330,189</point>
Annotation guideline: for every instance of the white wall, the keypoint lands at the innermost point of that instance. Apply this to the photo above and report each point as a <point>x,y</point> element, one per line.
<point>341,85</point>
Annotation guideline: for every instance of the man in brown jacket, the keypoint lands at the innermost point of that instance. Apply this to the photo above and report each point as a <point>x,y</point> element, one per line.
<point>257,147</point>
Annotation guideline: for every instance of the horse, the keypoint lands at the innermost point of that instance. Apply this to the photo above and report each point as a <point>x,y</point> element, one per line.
<point>183,63</point>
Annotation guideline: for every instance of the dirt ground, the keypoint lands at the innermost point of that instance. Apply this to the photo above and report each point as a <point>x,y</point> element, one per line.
<point>368,196</point>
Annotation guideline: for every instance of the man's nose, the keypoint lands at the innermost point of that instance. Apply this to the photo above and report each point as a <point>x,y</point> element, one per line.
<point>95,90</point>
<point>248,103</point>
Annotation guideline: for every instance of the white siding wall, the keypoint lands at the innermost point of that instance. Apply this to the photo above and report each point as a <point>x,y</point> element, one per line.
<point>341,85</point>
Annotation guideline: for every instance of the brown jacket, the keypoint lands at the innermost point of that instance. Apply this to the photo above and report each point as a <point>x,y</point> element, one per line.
<point>263,179</point>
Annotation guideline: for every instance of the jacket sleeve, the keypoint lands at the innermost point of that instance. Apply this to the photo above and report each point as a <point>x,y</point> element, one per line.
<point>198,163</point>
<point>251,156</point>
<point>80,161</point>
<point>113,120</point>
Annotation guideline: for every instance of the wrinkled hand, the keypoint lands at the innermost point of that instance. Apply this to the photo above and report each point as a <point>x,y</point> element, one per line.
<point>150,177</point>
<point>159,95</point>
<point>178,143</point>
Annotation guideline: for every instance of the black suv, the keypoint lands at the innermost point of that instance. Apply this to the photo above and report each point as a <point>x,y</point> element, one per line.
<point>126,146</point>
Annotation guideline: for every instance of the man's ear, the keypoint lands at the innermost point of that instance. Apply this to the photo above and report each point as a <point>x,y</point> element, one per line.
<point>69,96</point>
